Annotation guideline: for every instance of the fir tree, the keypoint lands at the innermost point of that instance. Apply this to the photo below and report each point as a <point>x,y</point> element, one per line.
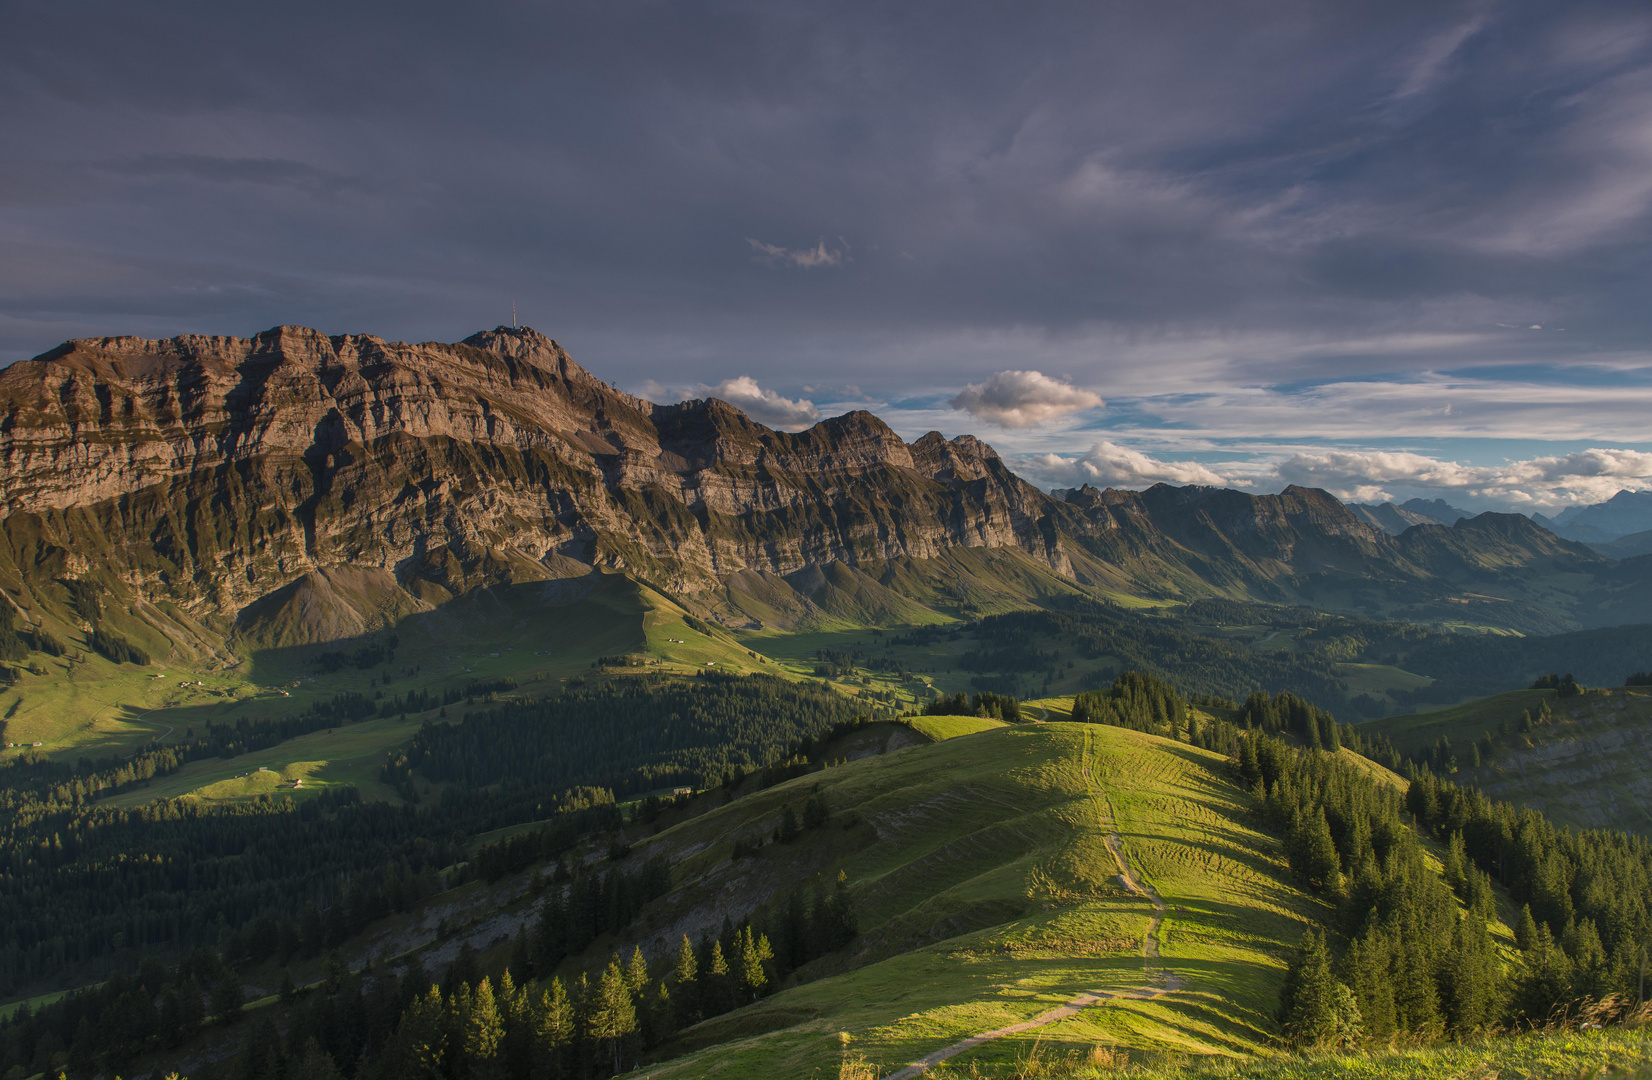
<point>1316,1009</point>
<point>521,960</point>
<point>417,1050</point>
<point>553,1030</point>
<point>614,1015</point>
<point>484,1029</point>
<point>1525,929</point>
<point>789,829</point>
<point>636,973</point>
<point>312,1063</point>
<point>1316,853</point>
<point>227,999</point>
<point>717,988</point>
<point>754,955</point>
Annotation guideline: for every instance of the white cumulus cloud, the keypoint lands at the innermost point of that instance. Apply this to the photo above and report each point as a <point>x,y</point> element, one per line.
<point>1019,399</point>
<point>1110,465</point>
<point>765,406</point>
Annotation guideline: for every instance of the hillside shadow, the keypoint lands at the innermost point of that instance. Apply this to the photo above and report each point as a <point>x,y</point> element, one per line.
<point>492,631</point>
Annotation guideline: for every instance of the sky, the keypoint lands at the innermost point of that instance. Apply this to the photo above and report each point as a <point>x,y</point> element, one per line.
<point>1390,249</point>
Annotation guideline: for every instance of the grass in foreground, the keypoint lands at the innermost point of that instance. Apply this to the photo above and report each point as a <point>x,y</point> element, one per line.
<point>1605,1054</point>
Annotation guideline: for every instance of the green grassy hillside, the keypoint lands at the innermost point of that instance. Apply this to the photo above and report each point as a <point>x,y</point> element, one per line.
<point>535,635</point>
<point>1584,761</point>
<point>989,895</point>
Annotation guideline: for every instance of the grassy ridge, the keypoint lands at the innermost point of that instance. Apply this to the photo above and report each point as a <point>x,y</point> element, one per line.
<point>988,895</point>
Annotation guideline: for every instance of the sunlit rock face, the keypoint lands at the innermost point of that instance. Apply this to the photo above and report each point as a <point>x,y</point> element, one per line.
<point>212,471</point>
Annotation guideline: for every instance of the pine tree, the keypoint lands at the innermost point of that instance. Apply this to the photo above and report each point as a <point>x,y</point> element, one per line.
<point>483,1031</point>
<point>416,1052</point>
<point>516,1010</point>
<point>1316,1009</point>
<point>1472,978</point>
<point>1548,978</point>
<point>636,973</point>
<point>754,954</point>
<point>686,1000</point>
<point>841,924</point>
<point>1314,852</point>
<point>1525,929</point>
<point>1365,972</point>
<point>522,955</point>
<point>553,1030</point>
<point>614,1015</point>
<point>312,1063</point>
<point>1455,870</point>
<point>227,999</point>
<point>715,992</point>
<point>789,829</point>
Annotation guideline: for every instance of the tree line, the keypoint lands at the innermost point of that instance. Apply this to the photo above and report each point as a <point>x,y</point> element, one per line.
<point>1417,958</point>
<point>658,731</point>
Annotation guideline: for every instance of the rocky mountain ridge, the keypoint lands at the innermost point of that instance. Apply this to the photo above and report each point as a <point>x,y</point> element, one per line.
<point>294,487</point>
<point>214,471</point>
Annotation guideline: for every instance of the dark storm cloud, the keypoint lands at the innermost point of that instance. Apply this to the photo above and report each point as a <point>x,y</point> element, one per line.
<point>910,197</point>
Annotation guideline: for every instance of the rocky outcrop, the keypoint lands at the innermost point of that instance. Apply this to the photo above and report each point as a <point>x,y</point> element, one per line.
<point>213,472</point>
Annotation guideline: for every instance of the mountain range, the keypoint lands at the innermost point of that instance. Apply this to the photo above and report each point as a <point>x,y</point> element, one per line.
<point>1620,527</point>
<point>214,494</point>
<point>1396,519</point>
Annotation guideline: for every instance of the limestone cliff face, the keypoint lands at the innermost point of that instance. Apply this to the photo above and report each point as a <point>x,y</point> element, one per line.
<point>211,471</point>
<point>318,486</point>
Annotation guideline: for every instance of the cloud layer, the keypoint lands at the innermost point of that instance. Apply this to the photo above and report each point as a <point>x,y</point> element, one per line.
<point>1542,483</point>
<point>1018,399</point>
<point>1539,484</point>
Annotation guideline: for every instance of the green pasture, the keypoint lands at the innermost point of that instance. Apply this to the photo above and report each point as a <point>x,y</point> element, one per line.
<point>988,895</point>
<point>1378,679</point>
<point>1461,723</point>
<point>941,728</point>
<point>347,755</point>
<point>535,634</point>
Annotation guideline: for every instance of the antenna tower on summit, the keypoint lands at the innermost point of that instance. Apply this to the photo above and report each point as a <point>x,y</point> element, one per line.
<point>513,316</point>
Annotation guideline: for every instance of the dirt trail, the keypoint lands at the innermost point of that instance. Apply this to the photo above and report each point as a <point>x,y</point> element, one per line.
<point>1159,981</point>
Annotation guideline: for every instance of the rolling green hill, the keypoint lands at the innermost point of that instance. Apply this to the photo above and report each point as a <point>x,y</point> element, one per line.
<point>533,635</point>
<point>984,869</point>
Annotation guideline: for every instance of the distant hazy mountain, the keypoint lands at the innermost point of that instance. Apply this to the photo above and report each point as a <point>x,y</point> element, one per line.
<point>1436,510</point>
<point>1625,513</point>
<point>1390,518</point>
<point>1626,547</point>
